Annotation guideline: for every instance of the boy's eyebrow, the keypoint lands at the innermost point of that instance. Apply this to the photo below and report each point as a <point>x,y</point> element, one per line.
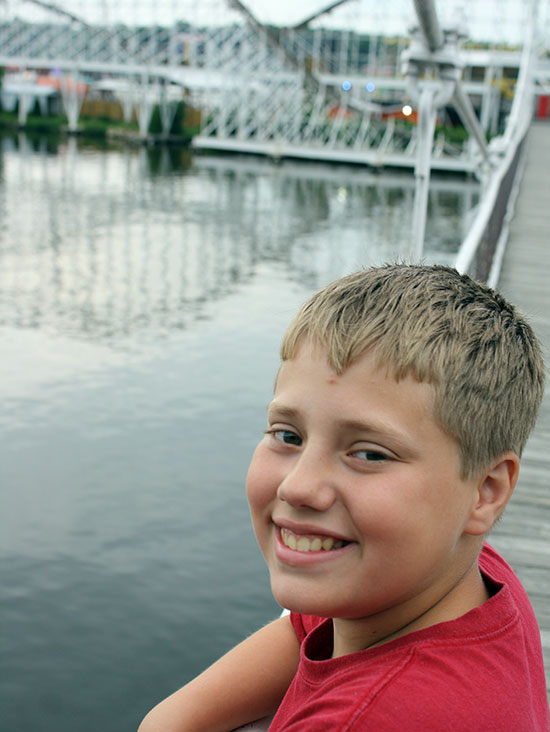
<point>386,429</point>
<point>282,410</point>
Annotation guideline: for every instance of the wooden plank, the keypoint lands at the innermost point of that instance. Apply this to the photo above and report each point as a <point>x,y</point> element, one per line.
<point>523,536</point>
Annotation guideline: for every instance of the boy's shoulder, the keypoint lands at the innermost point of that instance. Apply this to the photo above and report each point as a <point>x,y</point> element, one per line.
<point>481,671</point>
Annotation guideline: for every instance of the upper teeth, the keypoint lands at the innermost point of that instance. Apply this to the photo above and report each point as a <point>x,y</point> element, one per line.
<point>310,543</point>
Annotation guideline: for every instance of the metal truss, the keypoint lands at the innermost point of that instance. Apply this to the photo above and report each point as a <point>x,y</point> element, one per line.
<point>326,105</point>
<point>89,46</point>
<point>308,92</point>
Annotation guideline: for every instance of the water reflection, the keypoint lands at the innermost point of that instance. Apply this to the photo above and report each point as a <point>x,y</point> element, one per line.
<point>142,299</point>
<point>118,243</point>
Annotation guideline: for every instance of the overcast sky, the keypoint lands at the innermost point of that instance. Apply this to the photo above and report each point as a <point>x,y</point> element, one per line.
<point>485,19</point>
<point>502,20</point>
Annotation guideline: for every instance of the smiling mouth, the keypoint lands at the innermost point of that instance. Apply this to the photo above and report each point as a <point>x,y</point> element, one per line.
<point>310,543</point>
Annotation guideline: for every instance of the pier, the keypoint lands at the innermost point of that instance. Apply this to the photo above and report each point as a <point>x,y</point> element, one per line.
<point>523,535</point>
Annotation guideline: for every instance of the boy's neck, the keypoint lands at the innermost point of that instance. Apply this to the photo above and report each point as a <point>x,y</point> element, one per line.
<point>352,635</point>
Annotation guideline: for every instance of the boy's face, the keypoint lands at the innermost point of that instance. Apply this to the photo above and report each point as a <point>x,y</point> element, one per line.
<point>355,493</point>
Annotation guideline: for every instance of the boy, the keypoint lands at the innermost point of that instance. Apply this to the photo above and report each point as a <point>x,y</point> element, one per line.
<point>402,404</point>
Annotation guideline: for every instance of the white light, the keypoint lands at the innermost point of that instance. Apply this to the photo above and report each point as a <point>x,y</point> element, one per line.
<point>407,110</point>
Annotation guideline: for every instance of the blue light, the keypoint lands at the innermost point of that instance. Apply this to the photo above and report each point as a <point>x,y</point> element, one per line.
<point>346,85</point>
<point>370,86</point>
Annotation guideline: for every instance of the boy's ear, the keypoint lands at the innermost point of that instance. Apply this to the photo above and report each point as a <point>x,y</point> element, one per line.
<point>494,490</point>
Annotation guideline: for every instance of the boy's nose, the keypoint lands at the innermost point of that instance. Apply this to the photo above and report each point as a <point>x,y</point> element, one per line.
<point>308,484</point>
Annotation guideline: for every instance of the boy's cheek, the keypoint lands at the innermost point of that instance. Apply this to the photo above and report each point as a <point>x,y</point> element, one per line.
<point>260,486</point>
<point>263,464</point>
<point>260,497</point>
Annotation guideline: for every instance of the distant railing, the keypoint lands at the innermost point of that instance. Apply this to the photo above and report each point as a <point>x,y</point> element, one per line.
<point>481,252</point>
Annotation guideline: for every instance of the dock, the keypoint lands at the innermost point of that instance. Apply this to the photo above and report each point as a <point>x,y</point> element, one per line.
<point>523,535</point>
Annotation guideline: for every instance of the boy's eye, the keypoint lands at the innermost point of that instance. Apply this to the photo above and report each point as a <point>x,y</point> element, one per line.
<point>371,456</point>
<point>286,436</point>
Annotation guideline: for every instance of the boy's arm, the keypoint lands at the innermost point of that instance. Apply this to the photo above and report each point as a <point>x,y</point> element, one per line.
<point>246,684</point>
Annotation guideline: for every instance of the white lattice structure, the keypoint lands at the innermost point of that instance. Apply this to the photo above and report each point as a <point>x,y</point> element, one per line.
<point>281,92</point>
<point>275,92</point>
<point>327,86</point>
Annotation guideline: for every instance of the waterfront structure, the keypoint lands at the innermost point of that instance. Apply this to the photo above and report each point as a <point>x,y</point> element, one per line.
<point>308,91</point>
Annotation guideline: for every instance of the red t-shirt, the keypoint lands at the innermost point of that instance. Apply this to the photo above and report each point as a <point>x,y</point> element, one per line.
<point>482,672</point>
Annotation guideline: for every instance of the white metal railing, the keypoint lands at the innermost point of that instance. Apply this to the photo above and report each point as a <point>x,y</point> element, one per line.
<point>481,251</point>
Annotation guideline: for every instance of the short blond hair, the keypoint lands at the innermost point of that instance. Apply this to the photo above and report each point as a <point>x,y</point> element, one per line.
<point>479,353</point>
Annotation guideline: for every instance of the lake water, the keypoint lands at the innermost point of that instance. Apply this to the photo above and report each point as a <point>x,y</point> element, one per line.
<point>143,294</point>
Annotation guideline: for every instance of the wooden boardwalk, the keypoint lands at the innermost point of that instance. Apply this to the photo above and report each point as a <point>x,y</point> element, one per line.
<point>523,536</point>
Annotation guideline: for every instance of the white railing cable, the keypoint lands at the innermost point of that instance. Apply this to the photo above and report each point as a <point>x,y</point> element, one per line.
<point>505,153</point>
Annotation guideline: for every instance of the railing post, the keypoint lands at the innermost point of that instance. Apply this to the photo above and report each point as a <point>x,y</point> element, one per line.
<point>426,126</point>
<point>426,41</point>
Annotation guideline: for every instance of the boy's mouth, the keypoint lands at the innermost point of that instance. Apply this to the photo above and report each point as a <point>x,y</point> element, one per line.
<point>311,542</point>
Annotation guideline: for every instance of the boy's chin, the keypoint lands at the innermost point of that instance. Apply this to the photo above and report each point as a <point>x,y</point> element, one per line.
<point>301,601</point>
<point>289,599</point>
